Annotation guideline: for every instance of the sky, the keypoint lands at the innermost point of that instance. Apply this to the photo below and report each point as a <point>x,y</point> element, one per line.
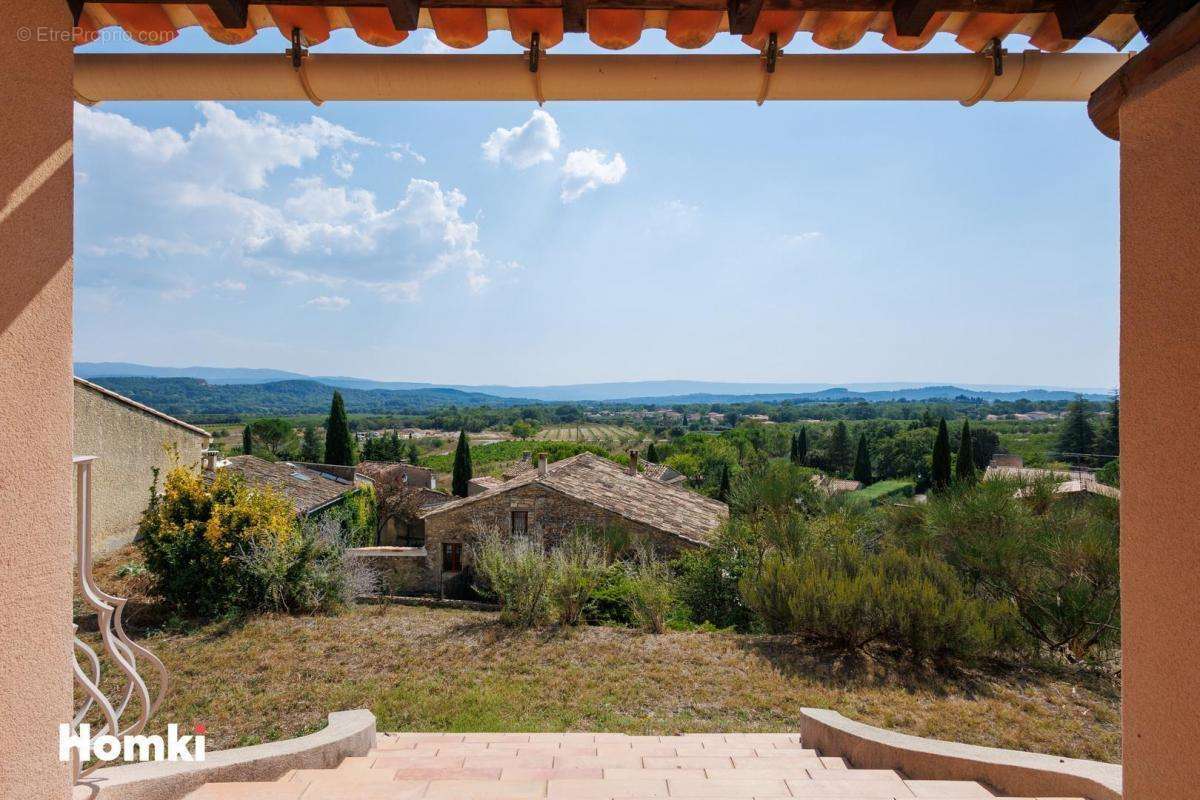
<point>504,243</point>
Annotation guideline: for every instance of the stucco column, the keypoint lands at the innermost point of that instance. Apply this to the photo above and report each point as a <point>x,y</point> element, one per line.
<point>35,395</point>
<point>1160,431</point>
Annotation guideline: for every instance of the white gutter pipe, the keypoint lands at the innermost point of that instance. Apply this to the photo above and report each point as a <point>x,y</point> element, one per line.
<point>964,77</point>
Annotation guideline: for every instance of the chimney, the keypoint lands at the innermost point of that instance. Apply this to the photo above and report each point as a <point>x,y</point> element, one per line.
<point>633,462</point>
<point>433,481</point>
<point>208,460</point>
<point>542,457</point>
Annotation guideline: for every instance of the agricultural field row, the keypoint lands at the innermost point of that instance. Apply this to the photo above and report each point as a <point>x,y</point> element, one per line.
<point>598,433</point>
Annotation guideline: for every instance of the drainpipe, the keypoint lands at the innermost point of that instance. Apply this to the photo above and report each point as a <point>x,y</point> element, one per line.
<point>965,77</point>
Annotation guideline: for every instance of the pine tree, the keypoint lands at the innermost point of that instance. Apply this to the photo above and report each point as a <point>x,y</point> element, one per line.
<point>964,469</point>
<point>339,444</point>
<point>310,447</point>
<point>414,454</point>
<point>247,441</point>
<point>723,486</point>
<point>1076,435</point>
<point>839,456</point>
<point>462,466</point>
<point>1110,439</point>
<point>862,461</point>
<point>941,457</point>
<point>652,453</point>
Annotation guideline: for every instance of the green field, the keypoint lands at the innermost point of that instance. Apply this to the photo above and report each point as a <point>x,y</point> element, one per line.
<point>877,491</point>
<point>490,458</point>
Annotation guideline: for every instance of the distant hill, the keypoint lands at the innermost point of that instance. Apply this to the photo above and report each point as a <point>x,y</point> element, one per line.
<point>661,392</point>
<point>193,397</point>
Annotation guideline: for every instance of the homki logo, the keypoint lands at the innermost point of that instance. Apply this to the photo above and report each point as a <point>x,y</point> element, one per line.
<point>130,748</point>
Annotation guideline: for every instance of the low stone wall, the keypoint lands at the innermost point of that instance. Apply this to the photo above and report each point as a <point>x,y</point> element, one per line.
<point>349,733</point>
<point>1010,772</point>
<point>401,570</point>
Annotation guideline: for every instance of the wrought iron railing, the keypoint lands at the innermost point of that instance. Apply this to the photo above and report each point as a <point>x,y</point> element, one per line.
<point>118,647</point>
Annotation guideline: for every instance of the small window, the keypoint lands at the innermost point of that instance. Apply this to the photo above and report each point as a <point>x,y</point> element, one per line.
<point>520,522</point>
<point>451,557</point>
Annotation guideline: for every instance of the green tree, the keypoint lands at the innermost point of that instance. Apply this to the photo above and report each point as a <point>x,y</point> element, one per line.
<point>802,446</point>
<point>462,466</point>
<point>862,461</point>
<point>310,447</point>
<point>339,444</point>
<point>1076,435</point>
<point>723,487</point>
<point>247,441</point>
<point>941,457</point>
<point>1110,438</point>
<point>838,455</point>
<point>414,453</point>
<point>964,469</point>
<point>275,434</point>
<point>522,429</point>
<point>652,453</point>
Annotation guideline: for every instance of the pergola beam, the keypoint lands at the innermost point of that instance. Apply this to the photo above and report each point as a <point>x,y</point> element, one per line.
<point>404,13</point>
<point>231,13</point>
<point>911,16</point>
<point>743,16</point>
<point>575,15</point>
<point>340,76</point>
<point>1078,18</point>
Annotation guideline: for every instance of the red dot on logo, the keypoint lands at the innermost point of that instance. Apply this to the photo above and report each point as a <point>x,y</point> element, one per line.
<point>200,728</point>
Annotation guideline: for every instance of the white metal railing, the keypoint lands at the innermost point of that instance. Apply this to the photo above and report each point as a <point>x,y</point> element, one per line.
<point>122,650</point>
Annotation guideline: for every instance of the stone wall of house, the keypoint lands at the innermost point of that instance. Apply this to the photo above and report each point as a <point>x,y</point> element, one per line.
<point>399,570</point>
<point>551,514</point>
<point>129,444</point>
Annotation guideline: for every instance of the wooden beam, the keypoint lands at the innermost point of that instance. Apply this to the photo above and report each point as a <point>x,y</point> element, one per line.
<point>911,16</point>
<point>1078,18</point>
<point>575,16</point>
<point>231,13</point>
<point>743,16</point>
<point>1177,38</point>
<point>76,7</point>
<point>1155,15</point>
<point>404,13</point>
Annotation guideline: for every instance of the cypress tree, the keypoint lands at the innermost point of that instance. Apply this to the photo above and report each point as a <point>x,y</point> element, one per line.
<point>462,466</point>
<point>723,487</point>
<point>941,457</point>
<point>247,441</point>
<point>1076,434</point>
<point>652,453</point>
<point>839,449</point>
<point>862,461</point>
<point>1110,440</point>
<point>802,446</point>
<point>414,454</point>
<point>964,470</point>
<point>339,445</point>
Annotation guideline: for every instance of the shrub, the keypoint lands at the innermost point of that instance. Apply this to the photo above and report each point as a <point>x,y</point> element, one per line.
<point>650,594</point>
<point>515,571</point>
<point>578,566</point>
<point>844,595</point>
<point>608,604</point>
<point>706,582</point>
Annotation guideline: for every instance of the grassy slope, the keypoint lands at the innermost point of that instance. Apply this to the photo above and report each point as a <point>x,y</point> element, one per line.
<point>277,676</point>
<point>880,489</point>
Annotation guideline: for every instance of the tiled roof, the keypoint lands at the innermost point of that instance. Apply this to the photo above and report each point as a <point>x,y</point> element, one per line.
<point>1023,473</point>
<point>688,23</point>
<point>832,486</point>
<point>662,473</point>
<point>607,485</point>
<point>386,472</point>
<point>134,404</point>
<point>308,490</point>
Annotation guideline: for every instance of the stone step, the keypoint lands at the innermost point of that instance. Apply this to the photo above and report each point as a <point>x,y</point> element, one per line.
<point>568,766</point>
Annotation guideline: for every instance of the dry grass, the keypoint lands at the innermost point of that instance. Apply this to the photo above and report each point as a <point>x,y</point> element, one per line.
<point>275,676</point>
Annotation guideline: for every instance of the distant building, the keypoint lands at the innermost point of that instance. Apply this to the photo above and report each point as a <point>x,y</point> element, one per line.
<point>551,500</point>
<point>831,486</point>
<point>130,441</point>
<point>311,488</point>
<point>400,473</point>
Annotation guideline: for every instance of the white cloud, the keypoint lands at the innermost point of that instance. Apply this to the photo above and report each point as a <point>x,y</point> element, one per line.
<point>327,302</point>
<point>404,150</point>
<point>226,184</point>
<point>230,285</point>
<point>588,169</point>
<point>792,239</point>
<point>525,145</point>
<point>432,45</point>
<point>343,164</point>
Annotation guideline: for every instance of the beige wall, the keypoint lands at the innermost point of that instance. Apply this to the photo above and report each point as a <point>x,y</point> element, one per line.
<point>35,398</point>
<point>130,443</point>
<point>1160,438</point>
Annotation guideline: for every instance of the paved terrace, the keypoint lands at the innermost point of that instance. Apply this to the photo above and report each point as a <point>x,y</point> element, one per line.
<point>587,766</point>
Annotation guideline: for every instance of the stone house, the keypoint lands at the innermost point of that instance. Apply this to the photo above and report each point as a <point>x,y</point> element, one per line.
<point>311,488</point>
<point>130,441</point>
<point>551,500</point>
<point>420,489</point>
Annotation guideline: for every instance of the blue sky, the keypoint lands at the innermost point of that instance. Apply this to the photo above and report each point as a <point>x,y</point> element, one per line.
<point>496,243</point>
